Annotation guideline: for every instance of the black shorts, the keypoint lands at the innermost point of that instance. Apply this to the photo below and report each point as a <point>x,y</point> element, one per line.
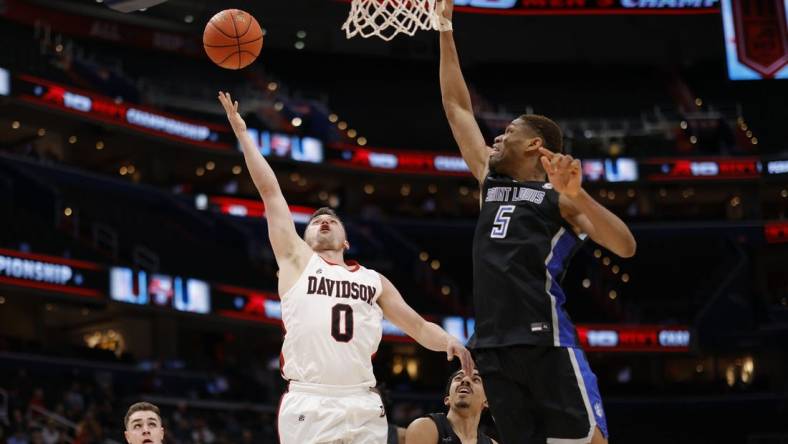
<point>541,394</point>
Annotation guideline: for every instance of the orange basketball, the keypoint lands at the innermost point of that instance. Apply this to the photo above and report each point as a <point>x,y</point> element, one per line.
<point>232,39</point>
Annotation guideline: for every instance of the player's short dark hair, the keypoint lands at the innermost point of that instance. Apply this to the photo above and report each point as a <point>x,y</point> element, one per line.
<point>324,211</point>
<point>140,407</point>
<point>549,131</point>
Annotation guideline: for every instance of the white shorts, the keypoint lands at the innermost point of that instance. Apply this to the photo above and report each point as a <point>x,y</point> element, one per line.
<point>321,414</point>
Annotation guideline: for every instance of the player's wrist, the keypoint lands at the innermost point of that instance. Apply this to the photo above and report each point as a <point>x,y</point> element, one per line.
<point>575,195</point>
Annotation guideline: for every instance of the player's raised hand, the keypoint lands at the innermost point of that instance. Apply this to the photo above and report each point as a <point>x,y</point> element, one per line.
<point>454,348</point>
<point>445,8</point>
<point>231,108</point>
<point>563,171</point>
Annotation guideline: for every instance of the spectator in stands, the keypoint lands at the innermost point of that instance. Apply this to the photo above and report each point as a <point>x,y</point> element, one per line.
<point>202,434</point>
<point>89,430</point>
<point>20,437</point>
<point>36,437</point>
<point>143,424</point>
<point>50,434</point>
<point>74,399</point>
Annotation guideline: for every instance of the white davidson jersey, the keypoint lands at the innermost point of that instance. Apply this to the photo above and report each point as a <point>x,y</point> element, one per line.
<point>333,325</point>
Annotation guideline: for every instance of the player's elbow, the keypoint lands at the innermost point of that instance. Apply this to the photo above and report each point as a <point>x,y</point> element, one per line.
<point>454,108</point>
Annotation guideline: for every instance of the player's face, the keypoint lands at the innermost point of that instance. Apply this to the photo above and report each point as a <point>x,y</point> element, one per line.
<point>467,392</point>
<point>325,233</point>
<point>144,428</point>
<point>510,147</point>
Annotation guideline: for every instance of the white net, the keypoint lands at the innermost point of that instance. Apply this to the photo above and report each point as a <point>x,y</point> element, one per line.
<point>387,18</point>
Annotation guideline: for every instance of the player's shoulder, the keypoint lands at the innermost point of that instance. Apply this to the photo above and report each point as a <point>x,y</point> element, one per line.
<point>422,431</point>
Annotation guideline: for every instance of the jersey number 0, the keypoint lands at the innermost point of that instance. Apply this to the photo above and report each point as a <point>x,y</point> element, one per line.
<point>342,322</point>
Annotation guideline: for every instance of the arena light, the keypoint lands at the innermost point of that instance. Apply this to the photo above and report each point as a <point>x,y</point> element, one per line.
<point>5,82</point>
<point>287,146</point>
<point>777,167</point>
<point>159,290</point>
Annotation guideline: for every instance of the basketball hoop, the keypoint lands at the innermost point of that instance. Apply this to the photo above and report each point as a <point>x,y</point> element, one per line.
<point>387,18</point>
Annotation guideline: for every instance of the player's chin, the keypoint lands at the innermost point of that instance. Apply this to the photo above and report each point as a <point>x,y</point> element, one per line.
<point>462,404</point>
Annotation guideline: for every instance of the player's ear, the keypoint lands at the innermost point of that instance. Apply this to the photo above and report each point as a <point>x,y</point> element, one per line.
<point>535,143</point>
<point>346,245</point>
<point>126,435</point>
<point>446,401</point>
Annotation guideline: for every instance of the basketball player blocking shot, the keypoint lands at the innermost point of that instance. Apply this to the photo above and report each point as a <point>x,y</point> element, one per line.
<point>534,216</point>
<point>332,313</point>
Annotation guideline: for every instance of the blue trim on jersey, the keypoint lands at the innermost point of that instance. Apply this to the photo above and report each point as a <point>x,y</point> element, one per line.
<point>592,390</point>
<point>563,248</point>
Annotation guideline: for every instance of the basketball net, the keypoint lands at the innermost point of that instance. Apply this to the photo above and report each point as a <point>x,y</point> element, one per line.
<point>387,18</point>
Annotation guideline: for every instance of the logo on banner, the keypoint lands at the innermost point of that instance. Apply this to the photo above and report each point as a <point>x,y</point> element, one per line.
<point>760,35</point>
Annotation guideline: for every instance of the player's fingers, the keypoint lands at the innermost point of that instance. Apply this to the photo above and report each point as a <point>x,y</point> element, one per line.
<point>235,106</point>
<point>546,165</point>
<point>545,152</point>
<point>555,162</point>
<point>467,362</point>
<point>565,162</point>
<point>576,165</point>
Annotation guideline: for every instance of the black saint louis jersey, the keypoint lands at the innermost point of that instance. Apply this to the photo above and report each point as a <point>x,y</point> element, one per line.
<point>521,250</point>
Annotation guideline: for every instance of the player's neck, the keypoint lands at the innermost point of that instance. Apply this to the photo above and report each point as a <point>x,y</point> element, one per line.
<point>465,426</point>
<point>529,171</point>
<point>333,256</point>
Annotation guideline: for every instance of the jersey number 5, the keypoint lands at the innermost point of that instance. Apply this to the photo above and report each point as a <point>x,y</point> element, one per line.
<point>501,224</point>
<point>342,322</point>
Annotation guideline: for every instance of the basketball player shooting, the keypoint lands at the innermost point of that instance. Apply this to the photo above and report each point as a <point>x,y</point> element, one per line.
<point>534,216</point>
<point>332,313</point>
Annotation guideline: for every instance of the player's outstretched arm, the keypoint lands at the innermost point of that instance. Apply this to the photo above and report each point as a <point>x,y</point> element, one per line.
<point>581,210</point>
<point>286,243</point>
<point>457,102</point>
<point>428,334</point>
<point>422,431</point>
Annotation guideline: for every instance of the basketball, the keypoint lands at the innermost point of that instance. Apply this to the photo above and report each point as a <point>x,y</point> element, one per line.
<point>233,39</point>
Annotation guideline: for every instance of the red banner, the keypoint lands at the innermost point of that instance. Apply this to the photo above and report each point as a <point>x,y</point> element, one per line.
<point>761,35</point>
<point>105,109</point>
<point>397,161</point>
<point>640,338</point>
<point>52,274</point>
<point>701,169</point>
